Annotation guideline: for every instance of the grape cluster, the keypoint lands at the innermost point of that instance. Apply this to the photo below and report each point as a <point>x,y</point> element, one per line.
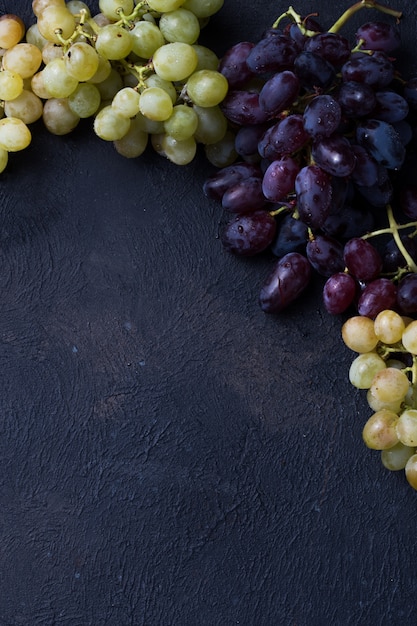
<point>324,141</point>
<point>386,367</point>
<point>136,68</point>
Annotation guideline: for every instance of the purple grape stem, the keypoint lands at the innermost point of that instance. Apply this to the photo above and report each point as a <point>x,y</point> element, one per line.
<point>363,4</point>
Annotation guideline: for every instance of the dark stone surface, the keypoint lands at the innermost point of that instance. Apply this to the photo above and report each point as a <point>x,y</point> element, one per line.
<point>170,455</point>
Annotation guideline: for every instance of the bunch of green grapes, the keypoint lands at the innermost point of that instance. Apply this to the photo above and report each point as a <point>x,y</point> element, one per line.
<point>136,68</point>
<point>386,366</point>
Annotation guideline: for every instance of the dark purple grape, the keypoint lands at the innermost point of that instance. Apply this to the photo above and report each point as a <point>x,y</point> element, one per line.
<point>339,293</point>
<point>407,294</point>
<point>272,54</point>
<point>297,34</point>
<point>292,236</point>
<point>242,107</point>
<point>365,172</point>
<point>334,155</point>
<point>393,258</point>
<point>362,259</point>
<point>313,187</point>
<point>408,201</point>
<point>233,65</point>
<point>216,185</point>
<point>288,279</point>
<point>279,179</point>
<point>378,36</point>
<point>390,106</point>
<point>245,196</point>
<point>404,130</point>
<point>356,99</point>
<point>279,92</point>
<point>380,194</point>
<point>248,235</point>
<point>313,71</point>
<point>332,47</point>
<point>283,138</point>
<point>247,139</point>
<point>325,255</point>
<point>378,295</point>
<point>376,70</point>
<point>349,222</point>
<point>382,142</point>
<point>410,92</point>
<point>322,116</point>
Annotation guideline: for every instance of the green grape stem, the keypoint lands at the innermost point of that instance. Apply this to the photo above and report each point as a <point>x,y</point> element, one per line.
<point>363,4</point>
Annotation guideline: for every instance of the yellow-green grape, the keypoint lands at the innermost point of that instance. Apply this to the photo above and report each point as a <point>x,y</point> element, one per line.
<point>113,42</point>
<point>223,152</point>
<point>109,87</point>
<point>126,102</point>
<point>212,125</point>
<point>389,326</point>
<point>81,61</point>
<point>183,122</point>
<point>110,8</point>
<point>38,87</point>
<point>34,37</point>
<point>27,107</point>
<point>389,385</point>
<point>156,81</point>
<point>51,51</point>
<point>25,59</point>
<point>364,369</point>
<point>14,134</point>
<point>162,6</point>
<point>156,104</point>
<point>134,143</point>
<point>151,127</point>
<point>57,80</point>
<point>175,61</point>
<point>146,39</point>
<point>12,30</point>
<point>58,117</point>
<point>11,85</point>
<point>38,6</point>
<point>395,458</point>
<point>110,125</point>
<point>4,159</point>
<point>411,471</point>
<point>207,88</point>
<point>180,25</point>
<point>178,152</point>
<point>85,100</point>
<point>376,404</point>
<point>407,427</point>
<point>103,71</point>
<point>207,59</point>
<point>203,8</point>
<point>409,337</point>
<point>76,6</point>
<point>358,334</point>
<point>379,432</point>
<point>56,19</point>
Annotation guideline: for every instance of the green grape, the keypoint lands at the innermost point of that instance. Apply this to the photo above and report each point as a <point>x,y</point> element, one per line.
<point>134,143</point>
<point>411,471</point>
<point>113,42</point>
<point>14,134</point>
<point>156,81</point>
<point>38,6</point>
<point>163,6</point>
<point>389,326</point>
<point>389,385</point>
<point>377,404</point>
<point>178,152</point>
<point>175,61</point>
<point>395,458</point>
<point>109,87</point>
<point>51,51</point>
<point>85,100</point>
<point>24,59</point>
<point>58,117</point>
<point>27,107</point>
<point>146,39</point>
<point>358,334</point>
<point>183,122</point>
<point>110,125</point>
<point>207,59</point>
<point>4,159</point>
<point>126,102</point>
<point>76,6</point>
<point>11,85</point>
<point>110,8</point>
<point>379,432</point>
<point>212,125</point>
<point>12,30</point>
<point>179,25</point>
<point>222,153</point>
<point>407,427</point>
<point>38,87</point>
<point>56,18</point>
<point>103,71</point>
<point>150,127</point>
<point>203,8</point>
<point>34,37</point>
<point>57,81</point>
<point>156,104</point>
<point>207,88</point>
<point>364,369</point>
<point>81,61</point>
<point>409,337</point>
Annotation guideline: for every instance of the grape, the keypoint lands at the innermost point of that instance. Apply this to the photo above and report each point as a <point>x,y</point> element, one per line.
<point>12,30</point>
<point>175,61</point>
<point>110,8</point>
<point>408,201</point>
<point>243,108</point>
<point>325,255</point>
<point>113,42</point>
<point>57,81</point>
<point>365,172</point>
<point>283,138</point>
<point>272,54</point>
<point>233,65</point>
<point>248,235</point>
<point>81,61</point>
<point>27,107</point>
<point>389,326</point>
<point>202,9</point>
<point>279,178</point>
<point>339,293</point>
<point>314,193</point>
<point>390,384</point>
<point>406,427</point>
<point>207,59</point>
<point>334,155</point>
<point>245,196</point>
<point>134,142</point>
<point>279,92</point>
<point>14,134</point>
<point>207,88</point>
<point>332,47</point>
<point>359,335</point>
<point>348,222</point>
<point>163,6</point>
<point>356,99</point>
<point>407,294</point>
<point>216,185</point>
<point>221,153</point>
<point>313,71</point>
<point>156,104</point>
<point>296,33</point>
<point>380,193</point>
<point>247,141</point>
<point>380,431</point>
<point>11,85</point>
<point>411,471</point>
<point>364,368</point>
<point>322,116</point>
<point>182,123</point>
<point>382,142</point>
<point>53,19</point>
<point>110,125</point>
<point>179,25</point>
<point>396,458</point>
<point>378,36</point>
<point>393,257</point>
<point>378,295</point>
<point>362,259</point>
<point>212,124</point>
<point>24,59</point>
<point>390,106</point>
<point>291,237</point>
<point>375,70</point>
<point>410,92</point>
<point>146,39</point>
<point>289,277</point>
<point>178,152</point>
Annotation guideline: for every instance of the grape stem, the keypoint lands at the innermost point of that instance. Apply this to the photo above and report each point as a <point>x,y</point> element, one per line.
<point>363,4</point>
<point>297,19</point>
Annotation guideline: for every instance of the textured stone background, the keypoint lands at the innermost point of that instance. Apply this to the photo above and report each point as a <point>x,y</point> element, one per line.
<point>169,455</point>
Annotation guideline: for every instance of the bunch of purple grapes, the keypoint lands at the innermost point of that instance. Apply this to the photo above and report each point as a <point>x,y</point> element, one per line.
<point>325,137</point>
